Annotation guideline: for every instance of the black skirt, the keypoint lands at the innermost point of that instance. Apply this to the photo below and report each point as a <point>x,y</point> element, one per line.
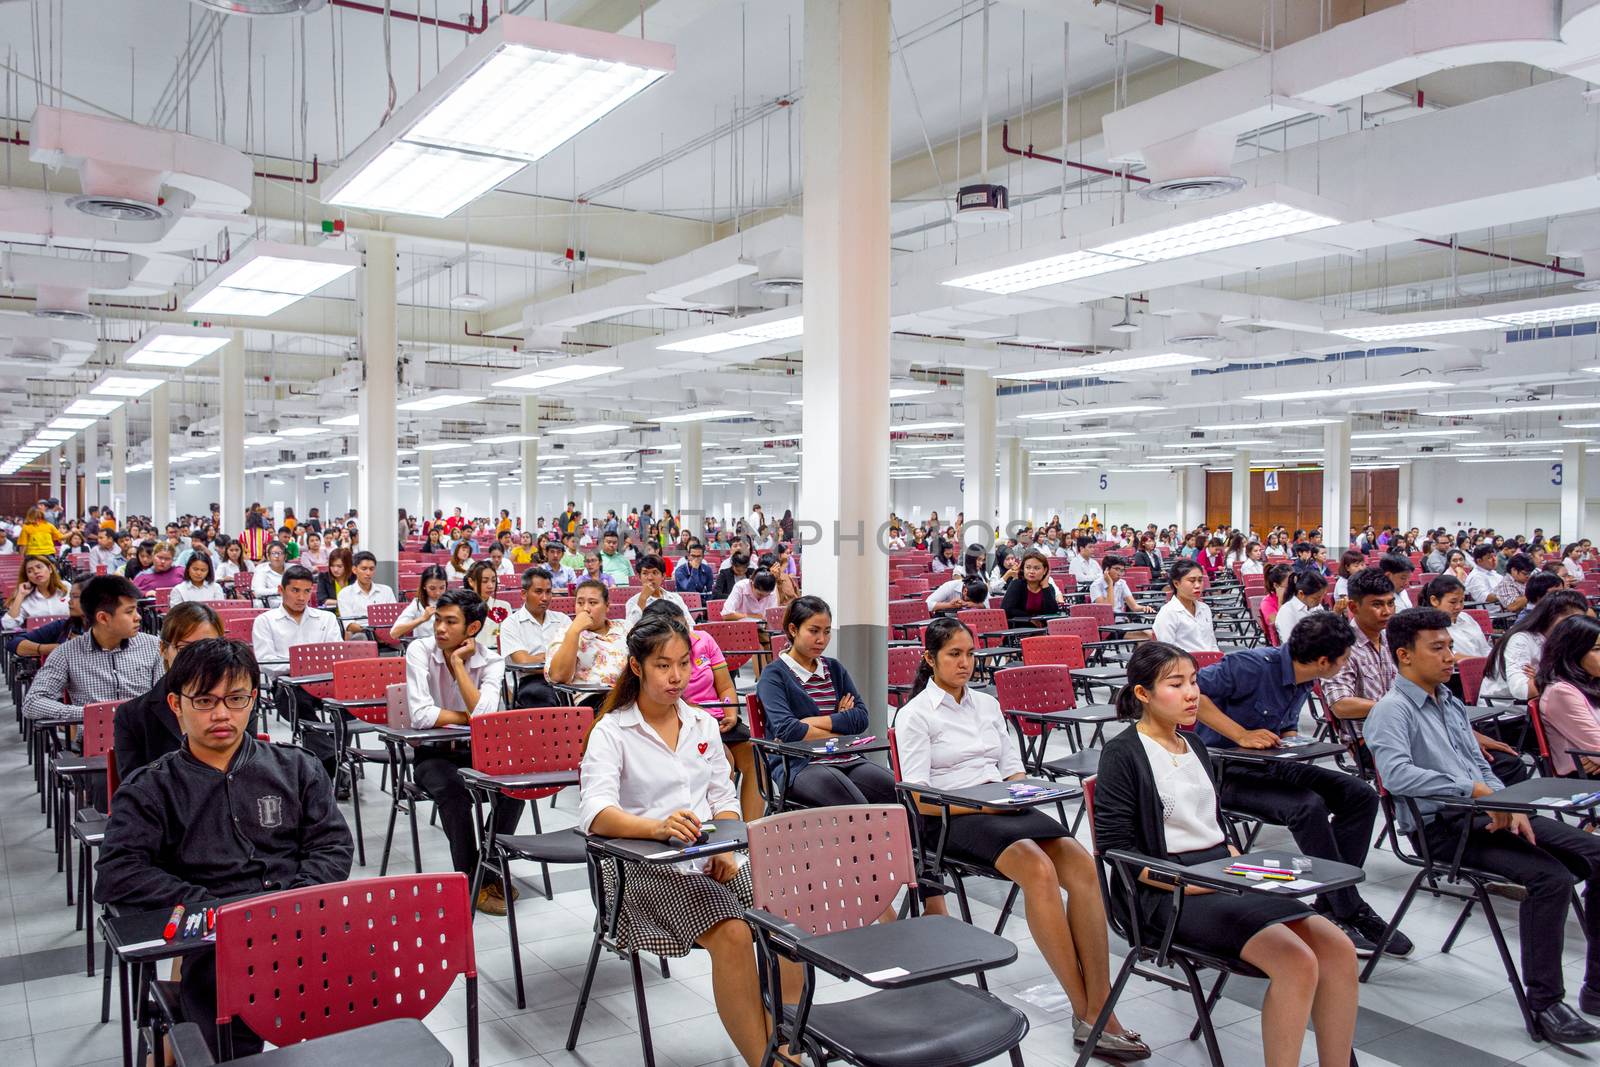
<point>1217,923</point>
<point>981,839</point>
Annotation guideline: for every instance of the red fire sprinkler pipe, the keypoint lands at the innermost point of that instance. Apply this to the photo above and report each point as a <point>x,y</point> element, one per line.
<point>469,26</point>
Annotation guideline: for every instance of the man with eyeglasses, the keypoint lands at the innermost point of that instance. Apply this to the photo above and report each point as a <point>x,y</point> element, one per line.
<point>225,816</point>
<point>694,574</point>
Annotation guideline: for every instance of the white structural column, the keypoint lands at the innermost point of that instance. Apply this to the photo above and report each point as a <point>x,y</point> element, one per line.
<point>69,497</point>
<point>119,461</point>
<point>1239,514</point>
<point>55,475</point>
<point>231,459</point>
<point>379,466</point>
<point>161,458</point>
<point>1024,484</point>
<point>530,465</point>
<point>1013,468</point>
<point>91,467</point>
<point>569,488</point>
<point>1573,498</point>
<point>669,491</point>
<point>845,467</point>
<point>425,502</point>
<point>978,492</point>
<point>494,494</point>
<point>1190,489</point>
<point>1336,484</point>
<point>749,496</point>
<point>1405,503</point>
<point>694,501</point>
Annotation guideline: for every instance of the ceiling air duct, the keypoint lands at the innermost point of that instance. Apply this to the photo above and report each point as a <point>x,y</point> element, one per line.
<point>263,7</point>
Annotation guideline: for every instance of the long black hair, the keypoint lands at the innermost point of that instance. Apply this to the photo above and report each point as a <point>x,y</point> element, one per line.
<point>1538,622</point>
<point>648,634</point>
<point>1572,639</point>
<point>935,636</point>
<point>1149,662</point>
<point>1441,587</point>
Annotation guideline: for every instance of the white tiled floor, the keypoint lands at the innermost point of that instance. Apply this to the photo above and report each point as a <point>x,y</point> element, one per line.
<point>1450,1010</point>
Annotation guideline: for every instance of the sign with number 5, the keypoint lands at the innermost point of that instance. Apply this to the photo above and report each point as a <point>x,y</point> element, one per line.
<point>1103,481</point>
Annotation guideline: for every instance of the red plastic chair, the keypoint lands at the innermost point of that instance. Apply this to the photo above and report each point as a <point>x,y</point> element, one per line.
<point>238,627</point>
<point>774,619</point>
<point>328,958</point>
<point>380,618</point>
<point>780,645</point>
<point>984,621</point>
<point>162,599</point>
<point>241,585</point>
<point>319,658</point>
<point>1061,650</point>
<point>617,610</point>
<point>1546,764</point>
<point>1102,614</point>
<point>367,678</point>
<point>1085,630</point>
<point>1205,659</point>
<point>738,641</point>
<point>714,610</point>
<point>903,662</point>
<point>831,869</point>
<point>1471,670</point>
<point>902,615</point>
<point>1481,617</point>
<point>566,605</point>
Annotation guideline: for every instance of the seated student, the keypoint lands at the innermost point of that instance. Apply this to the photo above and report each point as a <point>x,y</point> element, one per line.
<point>1515,657</point>
<point>949,736</point>
<point>199,586</point>
<point>482,580</point>
<point>654,768</point>
<point>1254,559</point>
<point>41,591</point>
<point>295,622</point>
<point>563,579</point>
<point>1511,591</point>
<point>594,650</point>
<point>652,573</point>
<point>112,661</point>
<point>266,579</point>
<point>162,574</point>
<point>1571,561</point>
<point>223,816</point>
<point>355,597</point>
<point>1185,620</point>
<point>1399,571</point>
<point>528,635</point>
<point>497,559</point>
<point>46,638</point>
<point>105,553</point>
<point>693,574</point>
<point>1155,795</point>
<point>1110,588</point>
<point>1082,565</point>
<point>1369,670</point>
<point>958,594</point>
<point>1305,561</point>
<point>1280,590</point>
<point>1569,692</point>
<point>594,570</point>
<point>735,568</point>
<point>1483,577</point>
<point>334,580</point>
<point>450,677</point>
<point>1147,556</point>
<point>1310,589</point>
<point>416,619</point>
<point>145,728</point>
<point>1031,592</point>
<point>1350,563</point>
<point>1446,593</point>
<point>1539,583</point>
<point>1253,699</point>
<point>752,597</point>
<point>1422,744</point>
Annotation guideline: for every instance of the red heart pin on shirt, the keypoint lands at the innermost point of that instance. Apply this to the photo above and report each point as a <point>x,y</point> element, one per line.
<point>703,747</point>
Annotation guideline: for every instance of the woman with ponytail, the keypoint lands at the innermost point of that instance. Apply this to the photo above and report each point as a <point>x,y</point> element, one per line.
<point>951,736</point>
<point>1155,795</point>
<point>654,769</point>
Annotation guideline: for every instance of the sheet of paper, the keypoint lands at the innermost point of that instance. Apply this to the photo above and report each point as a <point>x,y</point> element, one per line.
<point>886,974</point>
<point>1299,885</point>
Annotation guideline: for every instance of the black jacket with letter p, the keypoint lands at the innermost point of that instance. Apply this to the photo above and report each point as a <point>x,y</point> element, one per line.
<point>181,831</point>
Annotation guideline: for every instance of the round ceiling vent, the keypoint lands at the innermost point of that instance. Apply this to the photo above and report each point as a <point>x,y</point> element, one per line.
<point>263,7</point>
<point>778,285</point>
<point>1588,285</point>
<point>62,314</point>
<point>117,208</point>
<point>1188,190</point>
<point>1198,337</point>
<point>469,301</point>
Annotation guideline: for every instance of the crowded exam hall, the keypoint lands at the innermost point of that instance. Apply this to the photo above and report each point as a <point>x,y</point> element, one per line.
<point>736,533</point>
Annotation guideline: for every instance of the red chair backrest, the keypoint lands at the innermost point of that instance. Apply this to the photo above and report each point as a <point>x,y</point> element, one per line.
<point>564,604</point>
<point>528,740</point>
<point>1084,630</point>
<point>241,584</point>
<point>1062,650</point>
<point>617,610</point>
<point>1545,765</point>
<point>904,611</point>
<point>780,644</point>
<point>1205,659</point>
<point>319,657</point>
<point>381,618</point>
<point>903,661</point>
<point>744,637</point>
<point>162,598</point>
<point>690,600</point>
<point>983,621</point>
<point>238,627</point>
<point>35,622</point>
<point>755,715</point>
<point>1046,688</point>
<point>97,730</point>
<point>1471,669</point>
<point>367,678</point>
<point>831,868</point>
<point>774,617</point>
<point>328,958</point>
<point>1102,614</point>
<point>1481,617</point>
<point>714,610</point>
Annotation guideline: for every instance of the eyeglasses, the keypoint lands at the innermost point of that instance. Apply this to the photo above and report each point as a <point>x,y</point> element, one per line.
<point>234,701</point>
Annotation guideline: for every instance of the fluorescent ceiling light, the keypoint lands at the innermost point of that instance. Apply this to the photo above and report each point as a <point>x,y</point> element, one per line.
<point>1037,273</point>
<point>1090,412</point>
<point>781,329</point>
<point>1387,435</point>
<point>1350,390</point>
<point>65,423</point>
<point>606,451</point>
<point>268,276</point>
<point>1565,425</point>
<point>125,385</point>
<point>175,346</point>
<point>709,415</point>
<point>1400,331</point>
<point>445,446</point>
<point>1542,315</point>
<point>447,466</point>
<point>558,375</point>
<point>781,437</point>
<point>1276,424</point>
<point>1374,466</point>
<point>1071,451</point>
<point>918,427</point>
<point>1517,409</point>
<point>1511,459</point>
<point>261,439</point>
<point>589,428</point>
<point>495,462</point>
<point>930,444</point>
<point>54,435</point>
<point>1537,443</point>
<point>1192,455</point>
<point>343,420</point>
<point>1218,444</point>
<point>304,431</point>
<point>512,96</point>
<point>1096,435</point>
<point>507,439</point>
<point>438,402</point>
<point>1123,365</point>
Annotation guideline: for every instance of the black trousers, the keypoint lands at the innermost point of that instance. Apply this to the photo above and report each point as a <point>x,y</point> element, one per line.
<point>826,785</point>
<point>197,998</point>
<point>534,692</point>
<point>436,771</point>
<point>305,708</point>
<point>1330,813</point>
<point>1562,856</point>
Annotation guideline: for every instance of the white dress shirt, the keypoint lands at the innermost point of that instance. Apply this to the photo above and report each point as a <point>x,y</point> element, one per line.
<point>1292,612</point>
<point>1086,570</point>
<point>275,632</point>
<point>431,687</point>
<point>636,610</point>
<point>628,765</point>
<point>36,603</point>
<point>522,633</point>
<point>1191,632</point>
<point>1480,583</point>
<point>1252,566</point>
<point>1402,600</point>
<point>1573,568</point>
<point>1188,799</point>
<point>189,592</point>
<point>952,744</point>
<point>264,584</point>
<point>1467,638</point>
<point>353,602</point>
<point>952,588</point>
<point>413,611</point>
<point>1521,650</point>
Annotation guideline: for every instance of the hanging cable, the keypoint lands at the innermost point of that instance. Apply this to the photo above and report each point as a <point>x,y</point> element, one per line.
<point>388,58</point>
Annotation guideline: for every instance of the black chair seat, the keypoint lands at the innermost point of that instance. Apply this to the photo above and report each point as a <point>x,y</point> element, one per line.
<point>890,1027</point>
<point>1078,765</point>
<point>557,846</point>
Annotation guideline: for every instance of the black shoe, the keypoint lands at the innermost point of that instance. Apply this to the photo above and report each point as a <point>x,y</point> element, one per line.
<point>1365,947</point>
<point>1559,1023</point>
<point>1589,1000</point>
<point>1371,924</point>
